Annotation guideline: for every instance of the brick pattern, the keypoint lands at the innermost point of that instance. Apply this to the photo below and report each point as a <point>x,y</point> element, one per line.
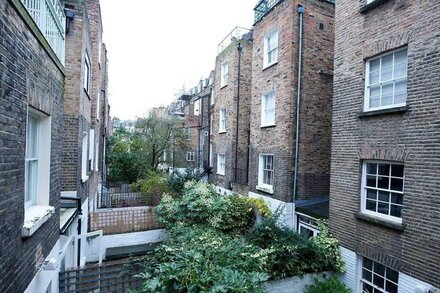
<point>315,112</point>
<point>124,220</point>
<point>226,98</point>
<point>410,137</point>
<point>29,77</point>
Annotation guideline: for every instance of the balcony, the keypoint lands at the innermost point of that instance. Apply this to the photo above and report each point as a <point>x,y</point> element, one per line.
<point>50,18</point>
<point>236,33</point>
<point>265,6</point>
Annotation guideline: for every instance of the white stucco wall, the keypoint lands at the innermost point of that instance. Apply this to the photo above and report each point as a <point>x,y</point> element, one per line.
<point>294,284</point>
<point>286,218</point>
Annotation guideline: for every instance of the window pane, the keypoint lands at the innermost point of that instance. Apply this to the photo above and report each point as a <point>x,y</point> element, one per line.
<point>367,288</point>
<point>383,182</point>
<point>375,91</point>
<point>374,76</point>
<point>371,181</point>
<point>383,208</point>
<point>400,70</point>
<point>367,275</point>
<point>374,102</point>
<point>384,169</point>
<point>378,281</point>
<point>379,269</point>
<point>387,61</point>
<point>368,264</point>
<point>397,198</point>
<point>371,205</point>
<point>391,288</point>
<point>375,65</point>
<point>32,137</point>
<point>31,181</point>
<point>400,97</point>
<point>384,196</point>
<point>392,275</point>
<point>400,56</point>
<point>372,194</point>
<point>397,171</point>
<point>371,168</point>
<point>396,211</point>
<point>396,184</point>
<point>401,85</point>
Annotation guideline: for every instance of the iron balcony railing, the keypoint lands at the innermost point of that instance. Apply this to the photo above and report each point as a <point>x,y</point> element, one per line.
<point>51,20</point>
<point>265,6</point>
<point>236,33</point>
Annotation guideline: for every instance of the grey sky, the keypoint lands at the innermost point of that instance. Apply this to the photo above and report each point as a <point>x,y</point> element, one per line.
<point>155,47</point>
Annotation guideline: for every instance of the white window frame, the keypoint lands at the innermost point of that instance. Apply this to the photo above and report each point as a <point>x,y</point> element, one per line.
<point>377,214</point>
<point>261,184</point>
<point>374,272</point>
<point>307,225</point>
<point>190,156</point>
<point>84,158</point>
<point>41,188</point>
<point>224,74</point>
<point>222,120</point>
<point>197,108</point>
<point>210,155</point>
<point>264,110</point>
<point>268,51</point>
<point>393,80</point>
<point>221,164</point>
<point>87,73</point>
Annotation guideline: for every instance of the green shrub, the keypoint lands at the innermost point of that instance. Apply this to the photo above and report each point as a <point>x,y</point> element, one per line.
<point>201,259</point>
<point>177,180</point>
<point>154,186</point>
<point>332,258</point>
<point>330,285</point>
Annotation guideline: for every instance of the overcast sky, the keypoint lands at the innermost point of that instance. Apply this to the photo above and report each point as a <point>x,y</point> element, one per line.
<point>155,47</point>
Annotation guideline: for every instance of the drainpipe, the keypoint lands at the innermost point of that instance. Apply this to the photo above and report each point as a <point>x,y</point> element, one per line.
<point>239,49</point>
<point>300,11</point>
<point>209,133</point>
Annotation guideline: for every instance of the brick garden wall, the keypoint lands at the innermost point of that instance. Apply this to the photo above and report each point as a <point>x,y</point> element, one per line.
<point>28,77</point>
<point>124,220</point>
<point>411,137</point>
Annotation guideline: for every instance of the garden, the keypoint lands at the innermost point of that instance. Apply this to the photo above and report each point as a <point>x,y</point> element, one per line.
<point>231,243</point>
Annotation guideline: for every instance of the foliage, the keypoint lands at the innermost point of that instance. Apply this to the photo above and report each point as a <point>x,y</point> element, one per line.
<point>132,155</point>
<point>332,258</point>
<point>123,162</point>
<point>201,259</point>
<point>211,247</point>
<point>293,254</point>
<point>260,205</point>
<point>177,180</point>
<point>155,186</point>
<point>330,285</point>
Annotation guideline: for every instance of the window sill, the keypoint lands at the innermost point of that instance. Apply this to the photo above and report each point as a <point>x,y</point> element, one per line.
<point>223,86</point>
<point>34,218</point>
<point>223,131</point>
<point>268,125</point>
<point>87,93</point>
<point>265,189</point>
<point>395,110</point>
<point>369,6</point>
<point>84,179</point>
<point>381,222</point>
<point>220,174</point>
<point>269,65</point>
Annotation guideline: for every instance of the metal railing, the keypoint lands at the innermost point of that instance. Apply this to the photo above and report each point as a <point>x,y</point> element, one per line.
<point>109,277</point>
<point>263,7</point>
<point>51,20</point>
<point>236,33</point>
<point>108,200</point>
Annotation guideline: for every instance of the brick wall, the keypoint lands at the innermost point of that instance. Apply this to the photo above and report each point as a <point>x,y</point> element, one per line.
<point>124,220</point>
<point>226,98</point>
<point>410,137</point>
<point>279,140</point>
<point>28,77</point>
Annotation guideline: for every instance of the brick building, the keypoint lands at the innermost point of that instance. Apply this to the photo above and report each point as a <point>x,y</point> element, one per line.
<point>31,110</point>
<point>231,109</point>
<point>43,109</point>
<point>287,34</point>
<point>385,170</point>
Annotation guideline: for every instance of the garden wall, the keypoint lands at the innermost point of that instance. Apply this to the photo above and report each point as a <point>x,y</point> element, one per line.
<point>123,220</point>
<point>293,284</point>
<point>94,248</point>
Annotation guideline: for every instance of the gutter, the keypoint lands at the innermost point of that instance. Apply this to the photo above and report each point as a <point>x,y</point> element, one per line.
<point>239,49</point>
<point>300,11</point>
